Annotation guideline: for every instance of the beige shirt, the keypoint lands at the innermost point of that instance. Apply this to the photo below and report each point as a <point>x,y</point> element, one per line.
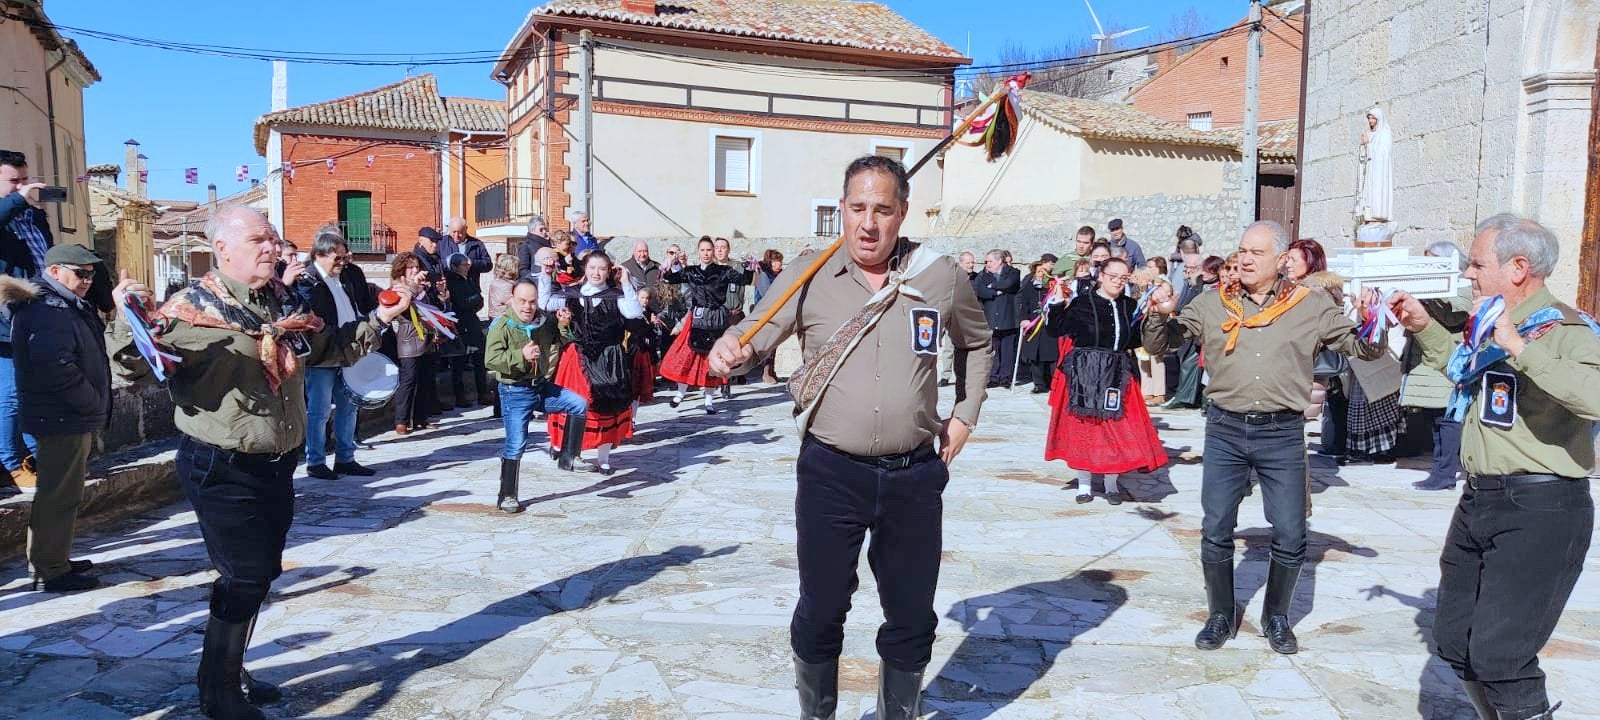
<point>1269,369</point>
<point>883,400</point>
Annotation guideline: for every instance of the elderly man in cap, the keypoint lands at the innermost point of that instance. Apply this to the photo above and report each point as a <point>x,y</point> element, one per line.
<point>431,252</point>
<point>1120,239</point>
<point>59,338</point>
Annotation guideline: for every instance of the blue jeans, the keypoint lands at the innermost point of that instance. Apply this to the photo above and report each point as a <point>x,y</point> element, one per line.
<point>322,392</point>
<point>1276,450</point>
<point>11,452</point>
<point>518,404</point>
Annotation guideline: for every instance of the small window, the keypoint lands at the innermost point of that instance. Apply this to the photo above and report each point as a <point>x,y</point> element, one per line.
<point>1200,121</point>
<point>1224,62</point>
<point>897,154</point>
<point>825,222</point>
<point>733,164</point>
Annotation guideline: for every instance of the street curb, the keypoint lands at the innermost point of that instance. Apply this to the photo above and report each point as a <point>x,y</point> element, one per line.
<point>124,484</point>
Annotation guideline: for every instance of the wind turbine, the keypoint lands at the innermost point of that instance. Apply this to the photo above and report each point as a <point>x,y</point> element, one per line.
<point>1101,39</point>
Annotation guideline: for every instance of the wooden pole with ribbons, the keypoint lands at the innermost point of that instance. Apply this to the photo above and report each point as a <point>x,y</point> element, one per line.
<point>994,121</point>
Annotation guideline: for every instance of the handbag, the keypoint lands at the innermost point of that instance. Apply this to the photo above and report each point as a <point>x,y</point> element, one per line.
<point>1329,363</point>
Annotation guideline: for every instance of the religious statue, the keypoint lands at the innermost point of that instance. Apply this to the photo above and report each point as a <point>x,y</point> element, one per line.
<point>1375,185</point>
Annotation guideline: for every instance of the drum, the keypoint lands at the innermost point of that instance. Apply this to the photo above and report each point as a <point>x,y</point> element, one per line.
<point>370,382</point>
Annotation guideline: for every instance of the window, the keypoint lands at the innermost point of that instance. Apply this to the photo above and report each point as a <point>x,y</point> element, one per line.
<point>1224,62</point>
<point>898,154</point>
<point>825,218</point>
<point>1200,121</point>
<point>733,164</point>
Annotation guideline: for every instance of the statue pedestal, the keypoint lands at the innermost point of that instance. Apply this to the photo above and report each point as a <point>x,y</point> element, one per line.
<point>1390,269</point>
<point>1373,235</point>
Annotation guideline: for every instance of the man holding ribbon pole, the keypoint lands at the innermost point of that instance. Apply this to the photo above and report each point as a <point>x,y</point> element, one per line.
<point>866,393</point>
<point>1526,382</point>
<point>1259,336</point>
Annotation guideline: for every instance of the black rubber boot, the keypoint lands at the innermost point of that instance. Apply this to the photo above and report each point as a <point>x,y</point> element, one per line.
<point>1224,614</point>
<point>510,473</point>
<point>1480,701</point>
<point>221,665</point>
<point>1275,625</point>
<point>899,693</point>
<point>256,692</point>
<point>571,444</point>
<point>818,684</point>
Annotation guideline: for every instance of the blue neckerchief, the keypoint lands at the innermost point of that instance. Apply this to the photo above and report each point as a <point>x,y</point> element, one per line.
<point>511,320</point>
<point>1466,366</point>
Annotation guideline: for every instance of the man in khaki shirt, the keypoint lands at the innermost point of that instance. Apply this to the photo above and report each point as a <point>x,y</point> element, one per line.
<point>1260,353</point>
<point>870,321</point>
<point>242,416</point>
<point>1528,397</point>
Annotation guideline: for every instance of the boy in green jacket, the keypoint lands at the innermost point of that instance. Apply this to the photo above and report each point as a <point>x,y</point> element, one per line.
<point>522,350</point>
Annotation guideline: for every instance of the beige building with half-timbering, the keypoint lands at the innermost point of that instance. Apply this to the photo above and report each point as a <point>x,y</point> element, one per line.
<point>711,118</point>
<point>1490,106</point>
<point>42,79</point>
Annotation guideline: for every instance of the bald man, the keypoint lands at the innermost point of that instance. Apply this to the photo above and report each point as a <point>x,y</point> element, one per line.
<point>469,246</point>
<point>646,273</point>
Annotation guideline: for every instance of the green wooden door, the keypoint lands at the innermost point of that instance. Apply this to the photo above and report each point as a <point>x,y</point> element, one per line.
<point>355,219</point>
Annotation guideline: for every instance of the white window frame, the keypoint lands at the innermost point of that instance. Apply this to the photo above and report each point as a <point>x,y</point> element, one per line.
<point>821,203</point>
<point>908,147</point>
<point>754,136</point>
<point>1192,117</point>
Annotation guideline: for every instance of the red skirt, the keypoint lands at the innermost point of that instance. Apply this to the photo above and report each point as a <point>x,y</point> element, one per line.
<point>644,376</point>
<point>598,429</point>
<point>1129,444</point>
<point>682,364</point>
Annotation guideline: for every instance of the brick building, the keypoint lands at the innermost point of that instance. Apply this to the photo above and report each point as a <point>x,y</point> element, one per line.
<point>731,118</point>
<point>383,163</point>
<point>1204,87</point>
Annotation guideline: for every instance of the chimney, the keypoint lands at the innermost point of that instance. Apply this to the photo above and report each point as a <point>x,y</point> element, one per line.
<point>280,85</point>
<point>143,189</point>
<point>254,182</point>
<point>639,7</point>
<point>211,193</point>
<point>130,161</point>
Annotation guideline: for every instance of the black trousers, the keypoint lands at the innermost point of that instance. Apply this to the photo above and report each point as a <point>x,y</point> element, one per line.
<point>1510,561</point>
<point>838,499</point>
<point>1276,450</point>
<point>1446,449</point>
<point>416,395</point>
<point>1004,347</point>
<point>244,505</point>
<point>461,365</point>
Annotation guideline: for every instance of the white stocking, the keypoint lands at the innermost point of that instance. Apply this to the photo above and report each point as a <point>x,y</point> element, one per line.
<point>603,454</point>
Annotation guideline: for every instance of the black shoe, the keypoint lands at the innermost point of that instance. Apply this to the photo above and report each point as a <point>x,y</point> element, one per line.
<point>1114,498</point>
<point>221,670</point>
<point>321,471</point>
<point>81,566</point>
<point>710,410</point>
<point>69,581</point>
<point>1435,484</point>
<point>818,684</point>
<point>257,692</point>
<point>1225,615</point>
<point>510,473</point>
<point>1480,700</point>
<point>1040,390</point>
<point>674,401</point>
<point>1085,498</point>
<point>899,693</point>
<point>353,468</point>
<point>1275,625</point>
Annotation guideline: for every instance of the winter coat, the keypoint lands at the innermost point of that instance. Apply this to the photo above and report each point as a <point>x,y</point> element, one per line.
<point>60,345</point>
<point>998,293</point>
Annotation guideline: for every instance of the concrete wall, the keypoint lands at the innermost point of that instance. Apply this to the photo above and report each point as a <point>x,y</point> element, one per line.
<point>1489,103</point>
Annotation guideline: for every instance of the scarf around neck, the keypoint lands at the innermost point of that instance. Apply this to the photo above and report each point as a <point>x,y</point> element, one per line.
<point>1281,303</point>
<point>209,304</point>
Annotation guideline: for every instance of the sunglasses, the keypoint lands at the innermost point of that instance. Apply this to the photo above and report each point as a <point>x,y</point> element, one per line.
<point>82,273</point>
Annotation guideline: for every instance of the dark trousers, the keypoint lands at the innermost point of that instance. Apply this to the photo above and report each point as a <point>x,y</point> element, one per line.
<point>1446,449</point>
<point>416,395</point>
<point>244,505</point>
<point>1004,347</point>
<point>1038,372</point>
<point>63,461</point>
<point>1276,451</point>
<point>1335,414</point>
<point>1510,561</point>
<point>838,499</point>
<point>470,363</point>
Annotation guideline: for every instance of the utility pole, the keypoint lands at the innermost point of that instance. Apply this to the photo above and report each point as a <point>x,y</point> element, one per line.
<point>585,170</point>
<point>1250,158</point>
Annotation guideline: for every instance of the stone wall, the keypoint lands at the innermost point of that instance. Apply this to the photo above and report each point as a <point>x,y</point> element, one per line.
<point>1489,105</point>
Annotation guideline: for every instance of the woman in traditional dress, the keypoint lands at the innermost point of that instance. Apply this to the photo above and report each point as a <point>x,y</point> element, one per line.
<point>1098,420</point>
<point>644,337</point>
<point>706,295</point>
<point>595,364</point>
<point>1038,355</point>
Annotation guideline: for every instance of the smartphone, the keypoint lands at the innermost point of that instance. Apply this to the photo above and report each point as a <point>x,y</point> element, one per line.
<point>304,258</point>
<point>52,194</point>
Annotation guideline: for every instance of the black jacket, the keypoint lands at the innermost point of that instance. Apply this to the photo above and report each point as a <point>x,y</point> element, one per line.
<point>1040,346</point>
<point>339,349</point>
<point>466,301</point>
<point>1089,321</point>
<point>60,340</point>
<point>998,293</point>
<point>527,248</point>
<point>476,254</point>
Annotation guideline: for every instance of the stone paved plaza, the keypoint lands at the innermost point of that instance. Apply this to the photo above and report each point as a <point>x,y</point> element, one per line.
<point>665,592</point>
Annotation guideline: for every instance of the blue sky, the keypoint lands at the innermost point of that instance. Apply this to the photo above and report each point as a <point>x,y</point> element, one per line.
<point>197,111</point>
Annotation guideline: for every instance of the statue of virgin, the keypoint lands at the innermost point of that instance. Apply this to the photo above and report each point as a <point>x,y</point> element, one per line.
<point>1375,191</point>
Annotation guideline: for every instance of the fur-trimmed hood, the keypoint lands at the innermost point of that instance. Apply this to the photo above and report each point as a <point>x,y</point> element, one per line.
<point>16,290</point>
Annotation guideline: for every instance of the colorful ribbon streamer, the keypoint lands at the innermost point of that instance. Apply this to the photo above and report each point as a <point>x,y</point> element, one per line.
<point>144,340</point>
<point>443,322</point>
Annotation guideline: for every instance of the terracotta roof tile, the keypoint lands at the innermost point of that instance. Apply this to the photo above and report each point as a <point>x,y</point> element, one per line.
<point>1116,121</point>
<point>412,104</point>
<point>866,25</point>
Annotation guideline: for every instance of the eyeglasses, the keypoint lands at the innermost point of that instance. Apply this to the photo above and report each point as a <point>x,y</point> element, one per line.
<point>1117,278</point>
<point>81,272</point>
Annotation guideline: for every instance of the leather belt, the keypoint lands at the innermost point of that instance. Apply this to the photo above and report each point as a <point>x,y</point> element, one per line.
<point>1497,482</point>
<point>1257,418</point>
<point>899,461</point>
<point>235,456</point>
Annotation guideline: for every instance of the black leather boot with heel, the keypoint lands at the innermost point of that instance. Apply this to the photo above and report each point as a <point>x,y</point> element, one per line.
<point>510,473</point>
<point>818,684</point>
<point>1224,614</point>
<point>221,672</point>
<point>1275,625</point>
<point>571,444</point>
<point>899,693</point>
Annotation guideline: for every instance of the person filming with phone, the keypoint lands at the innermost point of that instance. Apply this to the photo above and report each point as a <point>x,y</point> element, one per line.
<point>24,239</point>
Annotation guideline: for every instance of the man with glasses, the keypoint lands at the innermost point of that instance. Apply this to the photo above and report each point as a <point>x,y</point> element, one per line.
<point>67,398</point>
<point>538,237</point>
<point>343,305</point>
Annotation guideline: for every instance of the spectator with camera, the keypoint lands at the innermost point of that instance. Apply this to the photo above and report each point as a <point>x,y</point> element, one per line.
<point>24,239</point>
